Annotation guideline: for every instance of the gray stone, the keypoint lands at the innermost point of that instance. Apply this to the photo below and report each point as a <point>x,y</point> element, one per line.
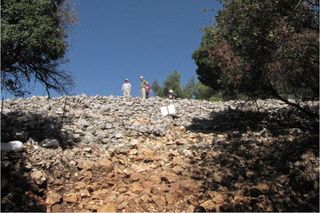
<point>12,146</point>
<point>50,143</point>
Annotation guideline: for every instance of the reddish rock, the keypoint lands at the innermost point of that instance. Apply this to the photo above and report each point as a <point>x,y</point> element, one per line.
<point>135,176</point>
<point>71,197</point>
<point>148,155</point>
<point>263,187</point>
<point>136,187</point>
<point>209,204</point>
<point>159,200</point>
<point>107,208</point>
<point>178,169</point>
<point>52,198</point>
<point>105,163</point>
<point>145,198</point>
<point>56,208</point>
<point>80,185</point>
<point>147,184</point>
<point>84,193</point>
<point>85,175</point>
<point>38,177</point>
<point>86,165</point>
<point>170,199</point>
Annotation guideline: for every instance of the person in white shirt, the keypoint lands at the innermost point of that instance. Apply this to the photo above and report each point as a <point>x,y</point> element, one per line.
<point>171,94</point>
<point>126,89</point>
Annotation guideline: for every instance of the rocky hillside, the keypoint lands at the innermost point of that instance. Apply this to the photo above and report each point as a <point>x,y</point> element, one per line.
<point>107,154</point>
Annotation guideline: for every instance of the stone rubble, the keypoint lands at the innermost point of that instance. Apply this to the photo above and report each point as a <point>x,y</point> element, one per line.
<point>108,154</point>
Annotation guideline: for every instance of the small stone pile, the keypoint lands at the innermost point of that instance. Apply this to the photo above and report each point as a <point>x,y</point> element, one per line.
<point>108,154</point>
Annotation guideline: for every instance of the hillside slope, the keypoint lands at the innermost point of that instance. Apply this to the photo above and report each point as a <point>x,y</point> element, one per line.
<point>123,155</point>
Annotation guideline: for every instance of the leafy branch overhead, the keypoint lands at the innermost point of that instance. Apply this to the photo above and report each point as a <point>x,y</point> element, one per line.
<point>263,48</point>
<point>33,45</point>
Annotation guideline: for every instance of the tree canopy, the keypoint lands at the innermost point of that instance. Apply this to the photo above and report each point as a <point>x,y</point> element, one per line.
<point>193,89</point>
<point>33,45</point>
<point>263,48</point>
<point>173,82</point>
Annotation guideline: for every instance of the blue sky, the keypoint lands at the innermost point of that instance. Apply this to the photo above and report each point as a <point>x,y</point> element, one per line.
<point>118,39</point>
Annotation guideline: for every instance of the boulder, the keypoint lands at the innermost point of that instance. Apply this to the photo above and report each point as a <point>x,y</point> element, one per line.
<point>12,146</point>
<point>39,177</point>
<point>52,198</point>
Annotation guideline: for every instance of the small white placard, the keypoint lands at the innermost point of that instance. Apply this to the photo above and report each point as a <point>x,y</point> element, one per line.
<point>164,111</point>
<point>171,109</point>
<point>168,110</point>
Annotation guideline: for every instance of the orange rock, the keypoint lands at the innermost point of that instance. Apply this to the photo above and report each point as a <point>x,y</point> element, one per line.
<point>52,198</point>
<point>56,208</point>
<point>107,208</point>
<point>179,161</point>
<point>71,197</point>
<point>263,187</point>
<point>148,155</point>
<point>135,176</point>
<point>218,198</point>
<point>155,179</point>
<point>240,199</point>
<point>169,176</point>
<point>189,185</point>
<point>80,185</point>
<point>159,200</point>
<point>84,193</point>
<point>85,175</point>
<point>145,198</point>
<point>177,169</point>
<point>136,187</point>
<point>147,184</point>
<point>86,165</point>
<point>122,189</point>
<point>209,204</point>
<point>104,163</point>
<point>169,199</point>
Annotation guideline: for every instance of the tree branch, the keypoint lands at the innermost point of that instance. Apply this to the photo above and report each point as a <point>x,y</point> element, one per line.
<point>306,111</point>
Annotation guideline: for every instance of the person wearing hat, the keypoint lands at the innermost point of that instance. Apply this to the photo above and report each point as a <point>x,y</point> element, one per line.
<point>171,94</point>
<point>143,84</point>
<point>126,89</point>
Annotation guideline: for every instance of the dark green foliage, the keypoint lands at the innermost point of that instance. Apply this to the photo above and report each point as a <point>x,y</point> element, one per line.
<point>202,92</point>
<point>33,44</point>
<point>172,82</point>
<point>193,89</point>
<point>188,91</point>
<point>156,88</point>
<point>262,48</point>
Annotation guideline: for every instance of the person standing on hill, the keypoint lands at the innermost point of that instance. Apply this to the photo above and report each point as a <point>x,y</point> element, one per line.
<point>126,89</point>
<point>171,94</point>
<point>143,84</point>
<point>148,90</point>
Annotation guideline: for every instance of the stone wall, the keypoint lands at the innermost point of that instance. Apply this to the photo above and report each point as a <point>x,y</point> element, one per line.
<point>111,154</point>
<point>106,120</point>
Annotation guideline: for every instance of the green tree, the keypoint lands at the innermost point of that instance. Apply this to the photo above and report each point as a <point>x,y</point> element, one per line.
<point>172,82</point>
<point>263,48</point>
<point>193,89</point>
<point>196,90</point>
<point>202,92</point>
<point>33,44</point>
<point>188,91</point>
<point>157,89</point>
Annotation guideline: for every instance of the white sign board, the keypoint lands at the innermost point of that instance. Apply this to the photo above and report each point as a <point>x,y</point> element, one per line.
<point>164,111</point>
<point>171,109</point>
<point>168,110</point>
